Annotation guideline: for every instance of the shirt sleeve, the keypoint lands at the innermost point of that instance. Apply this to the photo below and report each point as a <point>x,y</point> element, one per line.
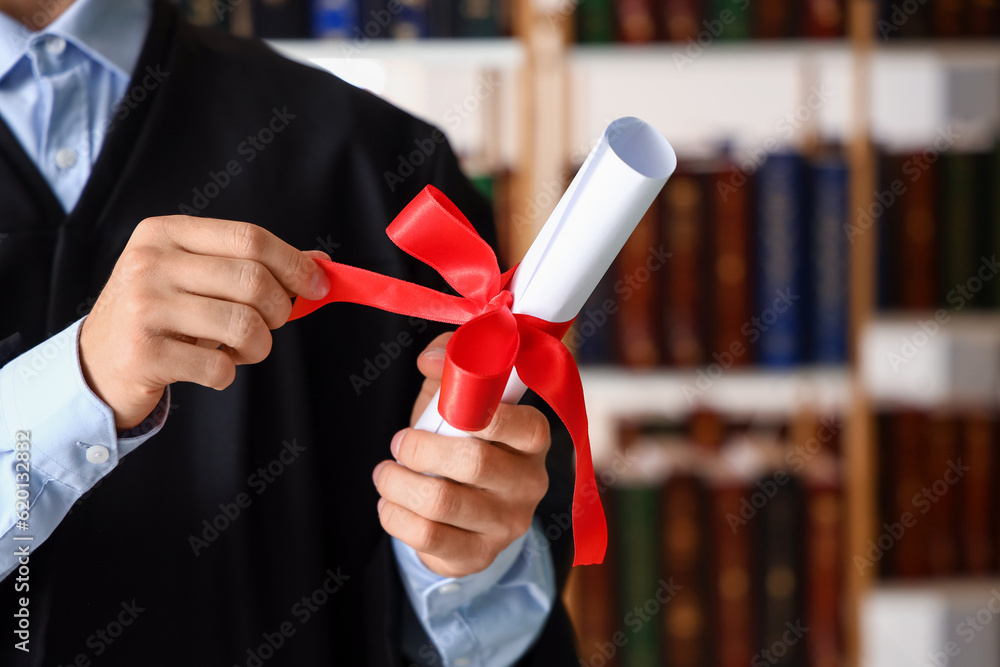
<point>57,440</point>
<point>487,619</point>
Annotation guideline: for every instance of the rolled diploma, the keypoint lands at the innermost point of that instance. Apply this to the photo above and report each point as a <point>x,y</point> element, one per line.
<point>589,226</point>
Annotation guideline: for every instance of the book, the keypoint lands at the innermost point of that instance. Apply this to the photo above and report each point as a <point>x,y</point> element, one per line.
<point>595,21</point>
<point>731,225</point>
<point>637,523</point>
<point>683,221</point>
<point>978,495</point>
<point>638,292</point>
<point>901,543</point>
<point>731,18</point>
<point>779,579</point>
<point>680,19</point>
<point>917,238</point>
<point>773,19</point>
<point>984,18</point>
<point>823,19</point>
<point>281,19</point>
<point>687,617</point>
<point>636,20</point>
<point>956,216</point>
<point>949,18</point>
<point>829,268</point>
<point>206,13</point>
<point>593,333</point>
<point>936,501</point>
<point>777,327</point>
<point>476,18</point>
<point>413,21</point>
<point>338,19</point>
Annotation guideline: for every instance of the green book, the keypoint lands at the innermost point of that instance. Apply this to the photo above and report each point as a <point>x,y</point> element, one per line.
<point>961,209</point>
<point>638,531</point>
<point>729,19</point>
<point>595,21</point>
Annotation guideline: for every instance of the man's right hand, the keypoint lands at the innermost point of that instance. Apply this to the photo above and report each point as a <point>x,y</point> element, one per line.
<point>182,287</point>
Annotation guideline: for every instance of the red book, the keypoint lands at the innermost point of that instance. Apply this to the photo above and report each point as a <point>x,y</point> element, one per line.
<point>903,479</point>
<point>636,22</point>
<point>638,295</point>
<point>772,19</point>
<point>948,18</point>
<point>937,498</point>
<point>911,221</point>
<point>984,18</point>
<point>823,19</point>
<point>731,217</point>
<point>978,511</point>
<point>681,19</point>
<point>684,208</point>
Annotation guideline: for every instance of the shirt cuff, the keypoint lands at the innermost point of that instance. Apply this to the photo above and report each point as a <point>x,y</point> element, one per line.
<point>488,618</point>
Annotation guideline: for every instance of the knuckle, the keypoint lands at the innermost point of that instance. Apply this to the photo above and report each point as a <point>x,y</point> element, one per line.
<point>242,321</point>
<point>539,434</point>
<point>473,462</point>
<point>219,370</point>
<point>428,536</point>
<point>247,240</point>
<point>137,263</point>
<point>440,500</point>
<point>251,279</point>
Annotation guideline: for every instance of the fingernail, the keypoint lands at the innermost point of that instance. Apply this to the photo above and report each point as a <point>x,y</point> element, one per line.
<point>434,353</point>
<point>320,284</point>
<point>394,445</point>
<point>377,470</point>
<point>381,502</point>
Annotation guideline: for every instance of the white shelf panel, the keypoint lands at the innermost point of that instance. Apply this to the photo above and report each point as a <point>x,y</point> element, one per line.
<point>468,88</point>
<point>614,393</point>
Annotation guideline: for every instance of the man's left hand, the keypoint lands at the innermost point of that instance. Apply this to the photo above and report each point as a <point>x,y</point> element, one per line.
<point>487,487</point>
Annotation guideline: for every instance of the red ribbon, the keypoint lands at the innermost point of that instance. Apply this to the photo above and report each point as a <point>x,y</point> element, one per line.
<point>489,343</point>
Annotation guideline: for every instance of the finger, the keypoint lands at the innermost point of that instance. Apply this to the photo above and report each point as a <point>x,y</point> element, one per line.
<point>177,361</point>
<point>240,240</point>
<point>237,280</point>
<point>235,325</point>
<point>439,499</point>
<point>453,552</point>
<point>431,360</point>
<point>427,391</point>
<point>520,427</point>
<point>465,460</point>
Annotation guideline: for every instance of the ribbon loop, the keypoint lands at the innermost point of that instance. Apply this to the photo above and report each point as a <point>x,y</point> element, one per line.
<point>489,344</point>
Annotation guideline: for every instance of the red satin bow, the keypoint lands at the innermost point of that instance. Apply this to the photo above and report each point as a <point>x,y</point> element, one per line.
<point>490,342</point>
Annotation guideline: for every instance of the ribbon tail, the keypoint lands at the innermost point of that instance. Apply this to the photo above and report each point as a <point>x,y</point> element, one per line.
<point>547,368</point>
<point>353,285</point>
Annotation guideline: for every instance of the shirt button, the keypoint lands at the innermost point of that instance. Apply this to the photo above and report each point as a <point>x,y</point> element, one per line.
<point>448,589</point>
<point>55,45</point>
<point>65,158</point>
<point>461,662</point>
<point>97,454</point>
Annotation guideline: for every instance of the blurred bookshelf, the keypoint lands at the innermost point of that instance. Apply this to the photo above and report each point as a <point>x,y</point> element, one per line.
<point>752,448</point>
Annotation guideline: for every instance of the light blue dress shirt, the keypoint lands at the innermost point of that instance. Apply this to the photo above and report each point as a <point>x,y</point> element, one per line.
<point>59,88</point>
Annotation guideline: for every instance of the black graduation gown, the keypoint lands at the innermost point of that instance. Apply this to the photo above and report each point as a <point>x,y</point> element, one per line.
<point>126,550</point>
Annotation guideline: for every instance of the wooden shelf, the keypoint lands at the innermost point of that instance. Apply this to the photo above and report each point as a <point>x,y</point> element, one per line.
<point>613,393</point>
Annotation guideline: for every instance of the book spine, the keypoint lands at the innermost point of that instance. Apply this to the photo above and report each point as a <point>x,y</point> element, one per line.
<point>593,333</point>
<point>681,19</point>
<point>979,512</point>
<point>686,554</point>
<point>902,481</point>
<point>984,18</point>
<point>935,501</point>
<point>636,21</point>
<point>778,322</point>
<point>684,204</point>
<point>829,268</point>
<point>595,21</point>
<point>477,18</point>
<point>731,215</point>
<point>732,575</point>
<point>823,19</point>
<point>639,570</point>
<point>637,335</point>
<point>956,212</point>
<point>205,13</point>
<point>772,19</point>
<point>915,235</point>
<point>335,18</point>
<point>732,17</point>
<point>949,18</point>
<point>411,21</point>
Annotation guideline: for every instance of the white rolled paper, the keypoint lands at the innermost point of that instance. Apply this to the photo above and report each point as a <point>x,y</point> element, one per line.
<point>588,228</point>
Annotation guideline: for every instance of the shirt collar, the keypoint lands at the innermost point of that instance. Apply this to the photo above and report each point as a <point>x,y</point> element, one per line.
<point>111,32</point>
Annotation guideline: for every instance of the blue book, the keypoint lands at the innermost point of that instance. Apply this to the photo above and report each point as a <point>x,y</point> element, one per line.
<point>593,333</point>
<point>339,19</point>
<point>829,261</point>
<point>779,316</point>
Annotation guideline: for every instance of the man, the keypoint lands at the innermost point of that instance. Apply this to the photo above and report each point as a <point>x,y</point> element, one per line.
<point>227,517</point>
